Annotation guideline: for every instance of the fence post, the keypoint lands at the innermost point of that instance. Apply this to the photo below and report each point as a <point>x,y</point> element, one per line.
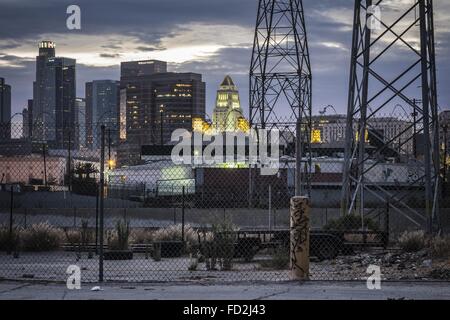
<point>102,194</point>
<point>270,207</point>
<point>10,246</point>
<point>386,225</point>
<point>96,218</point>
<point>182,216</point>
<point>299,243</point>
<point>44,153</point>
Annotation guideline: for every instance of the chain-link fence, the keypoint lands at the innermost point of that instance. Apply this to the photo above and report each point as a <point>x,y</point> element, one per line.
<point>153,220</point>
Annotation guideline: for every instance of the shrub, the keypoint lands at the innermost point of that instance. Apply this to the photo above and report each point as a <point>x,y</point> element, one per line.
<point>9,241</point>
<point>440,247</point>
<point>351,222</point>
<point>119,238</point>
<point>4,238</point>
<point>42,237</point>
<point>73,237</point>
<point>86,234</point>
<point>141,236</point>
<point>224,239</point>
<point>193,263</point>
<point>279,259</point>
<point>173,233</point>
<point>412,241</point>
<point>80,237</point>
<point>111,239</point>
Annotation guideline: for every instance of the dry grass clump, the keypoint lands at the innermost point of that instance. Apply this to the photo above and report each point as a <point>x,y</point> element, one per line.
<point>440,247</point>
<point>141,236</point>
<point>41,237</point>
<point>174,233</point>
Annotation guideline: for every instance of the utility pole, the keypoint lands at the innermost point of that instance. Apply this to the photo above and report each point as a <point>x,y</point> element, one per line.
<point>44,153</point>
<point>109,149</point>
<point>372,93</point>
<point>414,114</point>
<point>161,126</point>
<point>69,161</point>
<point>446,156</point>
<point>281,81</point>
<point>102,200</point>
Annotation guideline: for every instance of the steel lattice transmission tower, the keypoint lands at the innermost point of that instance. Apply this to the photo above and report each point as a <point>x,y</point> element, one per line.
<point>383,31</point>
<point>280,76</point>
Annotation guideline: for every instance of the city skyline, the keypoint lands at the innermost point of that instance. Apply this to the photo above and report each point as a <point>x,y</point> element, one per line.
<point>209,43</point>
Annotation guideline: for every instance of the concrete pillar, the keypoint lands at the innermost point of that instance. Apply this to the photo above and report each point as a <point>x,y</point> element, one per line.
<point>299,248</point>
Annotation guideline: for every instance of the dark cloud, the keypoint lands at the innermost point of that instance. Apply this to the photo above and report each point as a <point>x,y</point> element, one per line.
<point>26,21</point>
<point>148,19</point>
<point>109,55</point>
<point>112,46</point>
<point>14,60</point>
<point>149,49</point>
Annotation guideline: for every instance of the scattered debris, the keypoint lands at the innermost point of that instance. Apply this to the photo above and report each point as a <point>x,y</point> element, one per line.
<point>96,289</point>
<point>440,274</point>
<point>395,265</point>
<point>427,263</point>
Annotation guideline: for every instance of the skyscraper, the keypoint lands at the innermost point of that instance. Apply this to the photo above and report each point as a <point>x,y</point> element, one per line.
<point>158,101</point>
<point>102,108</point>
<point>80,122</point>
<point>54,95</point>
<point>5,110</point>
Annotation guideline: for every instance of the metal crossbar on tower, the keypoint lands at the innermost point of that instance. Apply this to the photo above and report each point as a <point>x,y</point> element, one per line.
<point>383,32</point>
<point>280,78</point>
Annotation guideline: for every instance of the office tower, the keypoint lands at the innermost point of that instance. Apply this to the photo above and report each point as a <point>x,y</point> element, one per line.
<point>29,123</point>
<point>54,93</point>
<point>444,134</point>
<point>123,115</point>
<point>80,122</point>
<point>25,123</point>
<point>40,118</point>
<point>130,69</point>
<point>5,110</point>
<point>158,102</point>
<point>102,108</point>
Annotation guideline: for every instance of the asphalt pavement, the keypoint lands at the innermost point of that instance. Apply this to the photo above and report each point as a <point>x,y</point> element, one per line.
<point>313,290</point>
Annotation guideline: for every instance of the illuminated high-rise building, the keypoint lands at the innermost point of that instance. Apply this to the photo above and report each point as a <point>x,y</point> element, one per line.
<point>228,115</point>
<point>102,108</point>
<point>157,102</point>
<point>5,110</point>
<point>80,122</point>
<point>54,93</point>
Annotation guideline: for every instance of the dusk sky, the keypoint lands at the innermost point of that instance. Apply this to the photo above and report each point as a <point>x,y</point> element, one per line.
<point>210,37</point>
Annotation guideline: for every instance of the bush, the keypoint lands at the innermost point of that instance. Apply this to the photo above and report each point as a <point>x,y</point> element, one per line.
<point>141,236</point>
<point>73,237</point>
<point>440,247</point>
<point>7,241</point>
<point>41,237</point>
<point>412,241</point>
<point>173,233</point>
<point>279,259</point>
<point>224,239</point>
<point>119,238</point>
<point>80,237</point>
<point>351,222</point>
<point>4,238</point>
